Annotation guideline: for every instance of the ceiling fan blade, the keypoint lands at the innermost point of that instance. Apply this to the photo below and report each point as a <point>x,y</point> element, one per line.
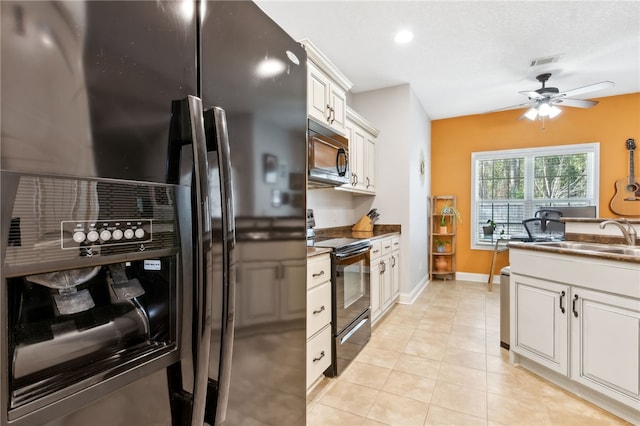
<point>577,103</point>
<point>588,88</point>
<point>524,105</point>
<point>531,94</point>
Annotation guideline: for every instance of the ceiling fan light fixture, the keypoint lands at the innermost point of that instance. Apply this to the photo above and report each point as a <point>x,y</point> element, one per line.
<point>554,111</point>
<point>532,113</point>
<point>544,109</point>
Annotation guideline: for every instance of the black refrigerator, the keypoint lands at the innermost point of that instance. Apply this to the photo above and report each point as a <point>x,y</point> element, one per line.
<point>152,228</point>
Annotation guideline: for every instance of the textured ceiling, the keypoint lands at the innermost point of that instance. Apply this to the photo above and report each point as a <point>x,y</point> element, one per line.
<point>470,57</point>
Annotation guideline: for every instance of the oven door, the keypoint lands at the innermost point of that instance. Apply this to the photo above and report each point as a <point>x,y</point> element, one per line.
<point>351,278</point>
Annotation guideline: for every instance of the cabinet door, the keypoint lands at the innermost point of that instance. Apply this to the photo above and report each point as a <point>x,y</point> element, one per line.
<point>338,102</point>
<point>293,276</point>
<point>370,164</point>
<point>540,321</point>
<point>258,293</point>
<point>376,307</point>
<point>317,94</point>
<point>605,344</point>
<point>358,147</point>
<point>395,275</point>
<point>386,282</point>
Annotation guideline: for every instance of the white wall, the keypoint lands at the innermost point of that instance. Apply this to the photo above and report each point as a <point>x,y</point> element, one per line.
<point>401,195</point>
<point>331,207</point>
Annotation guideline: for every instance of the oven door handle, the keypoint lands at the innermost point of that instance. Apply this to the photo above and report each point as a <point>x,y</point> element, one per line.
<point>353,253</point>
<point>353,330</point>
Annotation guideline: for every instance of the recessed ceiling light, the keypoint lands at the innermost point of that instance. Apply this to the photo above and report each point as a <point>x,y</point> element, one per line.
<point>404,36</point>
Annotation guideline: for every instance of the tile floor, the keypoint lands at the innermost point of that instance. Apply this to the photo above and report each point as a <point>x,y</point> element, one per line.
<point>439,362</point>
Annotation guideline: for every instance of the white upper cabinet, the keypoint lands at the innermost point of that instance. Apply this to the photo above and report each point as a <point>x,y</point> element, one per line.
<point>327,90</point>
<point>362,154</point>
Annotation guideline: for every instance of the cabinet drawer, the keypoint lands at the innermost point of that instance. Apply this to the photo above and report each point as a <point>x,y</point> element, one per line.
<point>386,246</point>
<point>395,243</point>
<point>376,250</point>
<point>318,270</point>
<point>318,308</point>
<point>318,355</point>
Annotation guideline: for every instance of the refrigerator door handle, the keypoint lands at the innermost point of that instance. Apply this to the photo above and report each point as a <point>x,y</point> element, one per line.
<point>203,258</point>
<point>228,263</point>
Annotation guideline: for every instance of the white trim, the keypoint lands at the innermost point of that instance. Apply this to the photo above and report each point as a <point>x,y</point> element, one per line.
<point>479,278</point>
<point>409,298</point>
<point>320,59</point>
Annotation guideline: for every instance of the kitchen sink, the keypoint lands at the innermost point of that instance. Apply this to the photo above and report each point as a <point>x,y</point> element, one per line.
<point>633,251</point>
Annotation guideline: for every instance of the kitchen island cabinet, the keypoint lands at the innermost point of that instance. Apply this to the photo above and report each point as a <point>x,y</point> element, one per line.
<point>576,321</point>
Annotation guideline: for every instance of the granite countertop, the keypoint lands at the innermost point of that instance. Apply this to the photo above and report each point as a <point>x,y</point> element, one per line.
<point>597,219</point>
<point>379,231</point>
<point>575,252</point>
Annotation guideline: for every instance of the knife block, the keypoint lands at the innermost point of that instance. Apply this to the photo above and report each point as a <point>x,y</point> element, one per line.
<point>363,225</point>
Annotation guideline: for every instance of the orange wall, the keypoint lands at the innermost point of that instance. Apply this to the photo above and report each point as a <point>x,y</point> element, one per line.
<point>611,122</point>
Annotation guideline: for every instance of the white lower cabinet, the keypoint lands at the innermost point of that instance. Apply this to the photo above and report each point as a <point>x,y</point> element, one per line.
<point>605,344</point>
<point>384,275</point>
<point>541,322</point>
<point>318,317</point>
<point>565,318</point>
<point>270,291</point>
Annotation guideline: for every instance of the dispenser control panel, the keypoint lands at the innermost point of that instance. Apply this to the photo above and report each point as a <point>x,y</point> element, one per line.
<point>77,234</point>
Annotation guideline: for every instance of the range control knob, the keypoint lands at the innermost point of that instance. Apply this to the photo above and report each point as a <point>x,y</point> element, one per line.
<point>79,236</point>
<point>117,234</point>
<point>128,234</point>
<point>139,233</point>
<point>105,235</point>
<point>93,236</point>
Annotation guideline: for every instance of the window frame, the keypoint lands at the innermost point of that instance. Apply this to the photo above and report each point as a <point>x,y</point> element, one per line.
<point>593,164</point>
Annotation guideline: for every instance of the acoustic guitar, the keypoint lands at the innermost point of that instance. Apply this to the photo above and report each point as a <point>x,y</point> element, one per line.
<point>626,200</point>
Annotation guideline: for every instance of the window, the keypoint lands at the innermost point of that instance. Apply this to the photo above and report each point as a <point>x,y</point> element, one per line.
<point>511,185</point>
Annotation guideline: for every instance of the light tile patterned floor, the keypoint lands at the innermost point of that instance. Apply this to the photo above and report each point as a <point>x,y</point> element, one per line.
<point>439,362</point>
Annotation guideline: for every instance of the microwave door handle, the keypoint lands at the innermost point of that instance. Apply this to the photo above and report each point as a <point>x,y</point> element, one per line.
<point>228,263</point>
<point>202,261</point>
<point>341,166</point>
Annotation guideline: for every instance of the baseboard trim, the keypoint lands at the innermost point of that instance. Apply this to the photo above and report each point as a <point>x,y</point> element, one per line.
<point>409,298</point>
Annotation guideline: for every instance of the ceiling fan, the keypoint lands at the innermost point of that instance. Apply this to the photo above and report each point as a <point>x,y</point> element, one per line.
<point>545,101</point>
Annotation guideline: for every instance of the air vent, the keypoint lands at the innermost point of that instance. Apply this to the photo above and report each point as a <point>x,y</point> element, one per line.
<point>544,61</point>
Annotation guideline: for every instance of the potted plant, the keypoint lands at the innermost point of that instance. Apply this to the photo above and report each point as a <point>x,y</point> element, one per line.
<point>489,227</point>
<point>441,245</point>
<point>448,211</point>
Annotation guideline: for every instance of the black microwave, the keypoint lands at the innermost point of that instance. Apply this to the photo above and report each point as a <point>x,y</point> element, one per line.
<point>328,156</point>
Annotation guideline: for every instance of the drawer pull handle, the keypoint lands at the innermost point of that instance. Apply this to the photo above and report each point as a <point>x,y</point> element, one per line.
<point>575,300</point>
<point>319,274</point>
<point>561,298</point>
<point>319,310</point>
<point>387,247</point>
<point>376,251</point>
<point>319,358</point>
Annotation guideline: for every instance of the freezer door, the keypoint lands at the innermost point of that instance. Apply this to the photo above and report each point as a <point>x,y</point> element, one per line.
<point>87,86</point>
<point>256,73</point>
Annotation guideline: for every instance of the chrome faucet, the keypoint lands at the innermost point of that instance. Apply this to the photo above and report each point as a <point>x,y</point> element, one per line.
<point>629,233</point>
